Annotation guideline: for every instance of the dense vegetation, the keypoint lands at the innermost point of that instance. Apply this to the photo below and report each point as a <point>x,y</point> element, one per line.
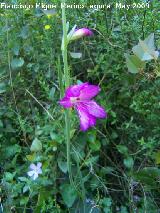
<point>115,165</point>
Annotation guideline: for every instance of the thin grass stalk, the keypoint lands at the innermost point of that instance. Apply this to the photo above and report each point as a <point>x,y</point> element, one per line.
<point>67,83</point>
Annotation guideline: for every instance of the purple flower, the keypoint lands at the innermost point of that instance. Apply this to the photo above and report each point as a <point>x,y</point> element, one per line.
<point>79,96</point>
<point>79,33</point>
<point>35,170</point>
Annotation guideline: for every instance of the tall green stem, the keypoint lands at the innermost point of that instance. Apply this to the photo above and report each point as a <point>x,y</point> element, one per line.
<point>67,83</point>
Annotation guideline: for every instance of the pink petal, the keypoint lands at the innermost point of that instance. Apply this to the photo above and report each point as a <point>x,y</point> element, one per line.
<point>89,92</point>
<point>87,32</point>
<point>79,33</point>
<point>86,120</point>
<point>94,109</point>
<point>92,120</point>
<point>74,91</point>
<point>65,102</point>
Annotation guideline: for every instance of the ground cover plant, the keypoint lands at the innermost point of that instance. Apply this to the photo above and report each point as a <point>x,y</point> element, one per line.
<point>80,106</point>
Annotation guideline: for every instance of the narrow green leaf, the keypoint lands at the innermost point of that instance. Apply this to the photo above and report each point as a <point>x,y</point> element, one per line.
<point>71,32</point>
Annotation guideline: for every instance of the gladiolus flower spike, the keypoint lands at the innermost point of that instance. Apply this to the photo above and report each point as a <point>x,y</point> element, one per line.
<point>80,97</point>
<point>79,33</point>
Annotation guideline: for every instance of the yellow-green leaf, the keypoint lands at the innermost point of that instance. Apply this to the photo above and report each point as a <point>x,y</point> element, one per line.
<point>134,64</point>
<point>157,157</point>
<point>36,145</point>
<point>145,50</point>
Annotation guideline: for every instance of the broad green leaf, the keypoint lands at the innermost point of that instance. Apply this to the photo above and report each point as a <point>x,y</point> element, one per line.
<point>148,176</point>
<point>91,138</point>
<point>2,87</point>
<point>157,157</point>
<point>23,179</point>
<point>26,188</point>
<point>128,162</point>
<point>62,165</point>
<point>123,209</point>
<point>107,209</point>
<point>122,149</point>
<point>75,55</point>
<point>53,136</point>
<point>11,151</point>
<point>36,145</point>
<point>145,50</point>
<point>24,32</point>
<point>1,124</point>
<point>69,194</point>
<point>17,63</point>
<point>51,93</point>
<point>85,207</point>
<point>9,176</point>
<point>16,49</point>
<point>38,12</point>
<point>95,145</point>
<point>23,201</point>
<point>134,64</point>
<point>107,202</point>
<point>31,157</point>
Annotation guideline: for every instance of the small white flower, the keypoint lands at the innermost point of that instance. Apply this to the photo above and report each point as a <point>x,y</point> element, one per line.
<point>35,170</point>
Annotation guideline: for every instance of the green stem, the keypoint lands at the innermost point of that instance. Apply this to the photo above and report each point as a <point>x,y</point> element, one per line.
<point>67,83</point>
<point>60,77</point>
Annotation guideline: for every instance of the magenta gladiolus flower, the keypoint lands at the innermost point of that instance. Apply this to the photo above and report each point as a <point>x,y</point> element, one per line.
<point>79,96</point>
<point>79,33</point>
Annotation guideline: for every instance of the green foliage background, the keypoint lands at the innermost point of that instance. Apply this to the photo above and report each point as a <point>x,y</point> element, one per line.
<point>116,164</point>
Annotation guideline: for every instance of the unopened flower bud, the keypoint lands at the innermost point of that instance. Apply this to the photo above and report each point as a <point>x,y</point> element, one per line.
<point>79,33</point>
